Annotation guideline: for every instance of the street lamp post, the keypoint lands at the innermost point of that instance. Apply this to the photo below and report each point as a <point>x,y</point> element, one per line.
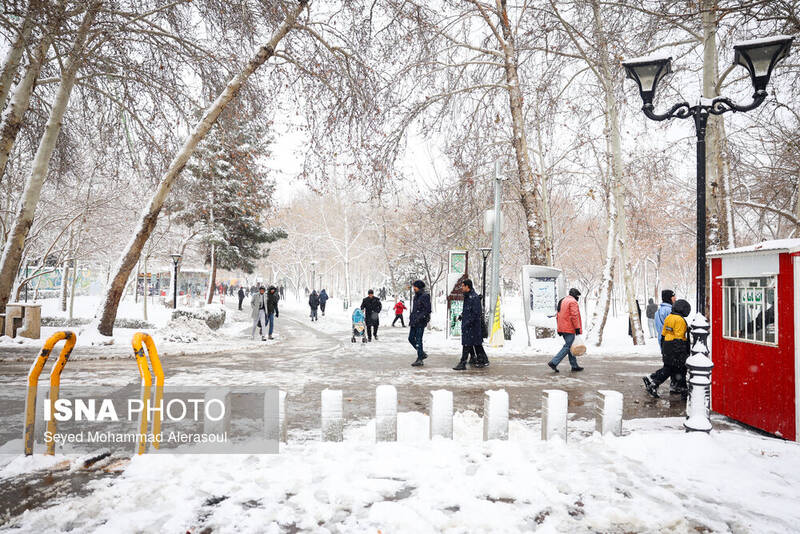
<point>176,258</point>
<point>759,57</point>
<point>485,251</point>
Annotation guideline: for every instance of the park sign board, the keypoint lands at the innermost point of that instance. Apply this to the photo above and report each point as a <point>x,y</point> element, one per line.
<point>542,287</point>
<point>457,272</point>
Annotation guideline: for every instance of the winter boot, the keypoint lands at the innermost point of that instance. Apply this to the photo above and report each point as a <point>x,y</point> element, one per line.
<point>418,363</point>
<point>650,387</point>
<point>576,369</point>
<point>553,367</point>
<point>263,338</point>
<point>270,337</point>
<point>461,366</point>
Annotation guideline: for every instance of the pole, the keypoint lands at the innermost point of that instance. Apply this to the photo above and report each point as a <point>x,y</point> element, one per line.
<point>483,284</point>
<point>496,239</point>
<point>174,285</point>
<point>700,121</point>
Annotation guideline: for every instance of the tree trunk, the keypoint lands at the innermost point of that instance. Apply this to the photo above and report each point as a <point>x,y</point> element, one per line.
<point>63,291</point>
<point>727,231</point>
<point>14,55</point>
<point>608,84</point>
<point>529,198</point>
<point>12,253</point>
<point>600,313</point>
<point>107,311</point>
<point>212,276</point>
<point>73,287</point>
<point>145,288</point>
<point>545,195</point>
<point>21,98</point>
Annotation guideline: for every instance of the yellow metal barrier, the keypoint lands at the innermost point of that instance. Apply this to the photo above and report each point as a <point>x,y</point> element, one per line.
<point>55,383</point>
<point>140,341</point>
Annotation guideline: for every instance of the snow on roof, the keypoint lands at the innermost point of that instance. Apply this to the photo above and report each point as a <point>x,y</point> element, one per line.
<point>777,245</point>
<point>648,59</point>
<point>763,40</point>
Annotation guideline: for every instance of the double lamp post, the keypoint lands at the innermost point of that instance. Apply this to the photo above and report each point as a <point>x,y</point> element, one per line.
<point>759,57</point>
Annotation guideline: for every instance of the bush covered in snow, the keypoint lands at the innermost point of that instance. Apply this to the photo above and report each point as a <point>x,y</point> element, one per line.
<point>213,316</point>
<point>121,322</point>
<point>184,329</point>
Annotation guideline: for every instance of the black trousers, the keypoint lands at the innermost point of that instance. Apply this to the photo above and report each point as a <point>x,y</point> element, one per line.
<point>399,316</point>
<point>240,303</point>
<point>474,353</point>
<point>372,330</point>
<point>322,306</point>
<point>674,369</point>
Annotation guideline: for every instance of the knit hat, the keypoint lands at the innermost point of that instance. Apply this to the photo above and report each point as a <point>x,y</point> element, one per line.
<point>666,296</point>
<point>682,308</point>
<point>574,293</point>
<point>419,284</point>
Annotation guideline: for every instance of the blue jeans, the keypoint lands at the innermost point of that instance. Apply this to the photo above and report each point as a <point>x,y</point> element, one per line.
<point>271,322</point>
<point>573,361</point>
<point>415,338</point>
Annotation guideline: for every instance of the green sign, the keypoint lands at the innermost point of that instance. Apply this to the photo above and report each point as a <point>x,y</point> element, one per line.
<point>456,306</point>
<point>458,262</point>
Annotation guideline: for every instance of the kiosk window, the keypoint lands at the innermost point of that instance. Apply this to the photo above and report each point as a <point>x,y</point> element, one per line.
<point>749,309</point>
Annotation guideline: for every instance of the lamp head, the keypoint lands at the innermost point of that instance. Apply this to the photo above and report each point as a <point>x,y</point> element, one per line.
<point>647,72</point>
<point>175,258</point>
<point>759,57</point>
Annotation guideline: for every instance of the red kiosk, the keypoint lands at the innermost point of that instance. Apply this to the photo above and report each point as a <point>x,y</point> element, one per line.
<point>755,332</point>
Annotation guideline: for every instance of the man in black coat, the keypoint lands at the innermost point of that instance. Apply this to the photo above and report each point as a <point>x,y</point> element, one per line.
<point>241,297</point>
<point>418,319</point>
<point>371,306</point>
<point>272,308</point>
<point>471,329</point>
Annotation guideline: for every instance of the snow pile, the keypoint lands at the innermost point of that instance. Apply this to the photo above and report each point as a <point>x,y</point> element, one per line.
<point>657,479</point>
<point>184,329</point>
<point>213,315</point>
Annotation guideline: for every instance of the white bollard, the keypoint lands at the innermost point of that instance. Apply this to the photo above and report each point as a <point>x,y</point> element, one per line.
<point>554,414</point>
<point>216,421</point>
<point>275,423</point>
<point>385,413</point>
<point>442,413</point>
<point>608,412</point>
<point>495,414</point>
<point>332,421</point>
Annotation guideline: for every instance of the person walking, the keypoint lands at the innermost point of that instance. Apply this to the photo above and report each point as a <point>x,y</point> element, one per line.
<point>313,302</point>
<point>272,308</point>
<point>650,312</point>
<point>241,297</point>
<point>674,351</point>
<point>418,319</point>
<point>471,329</point>
<point>371,306</point>
<point>399,308</point>
<point>258,311</point>
<point>664,309</point>
<point>568,321</point>
<point>323,298</point>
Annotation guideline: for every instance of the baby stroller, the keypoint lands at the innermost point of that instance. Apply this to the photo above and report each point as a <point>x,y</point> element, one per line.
<point>359,326</point>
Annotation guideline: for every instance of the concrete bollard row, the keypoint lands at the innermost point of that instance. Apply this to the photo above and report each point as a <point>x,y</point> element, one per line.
<point>608,411</point>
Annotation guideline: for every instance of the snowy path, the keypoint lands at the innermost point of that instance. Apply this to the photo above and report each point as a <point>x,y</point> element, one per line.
<point>653,479</point>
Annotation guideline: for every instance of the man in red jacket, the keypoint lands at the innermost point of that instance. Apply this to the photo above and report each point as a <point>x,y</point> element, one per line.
<point>569,326</point>
<point>399,308</point>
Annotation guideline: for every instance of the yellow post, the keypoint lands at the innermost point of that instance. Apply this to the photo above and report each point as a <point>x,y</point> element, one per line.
<point>55,382</point>
<point>140,341</point>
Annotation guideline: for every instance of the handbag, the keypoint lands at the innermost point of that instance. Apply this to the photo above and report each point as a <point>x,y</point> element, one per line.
<point>578,347</point>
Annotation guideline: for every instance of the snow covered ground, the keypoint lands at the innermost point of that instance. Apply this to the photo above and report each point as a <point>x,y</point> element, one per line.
<point>654,479</point>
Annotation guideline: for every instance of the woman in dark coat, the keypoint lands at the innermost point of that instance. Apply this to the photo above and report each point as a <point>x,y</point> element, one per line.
<point>313,302</point>
<point>471,329</point>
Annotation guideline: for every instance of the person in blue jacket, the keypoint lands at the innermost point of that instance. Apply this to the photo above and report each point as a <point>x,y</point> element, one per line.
<point>471,329</point>
<point>664,309</point>
<point>418,319</point>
